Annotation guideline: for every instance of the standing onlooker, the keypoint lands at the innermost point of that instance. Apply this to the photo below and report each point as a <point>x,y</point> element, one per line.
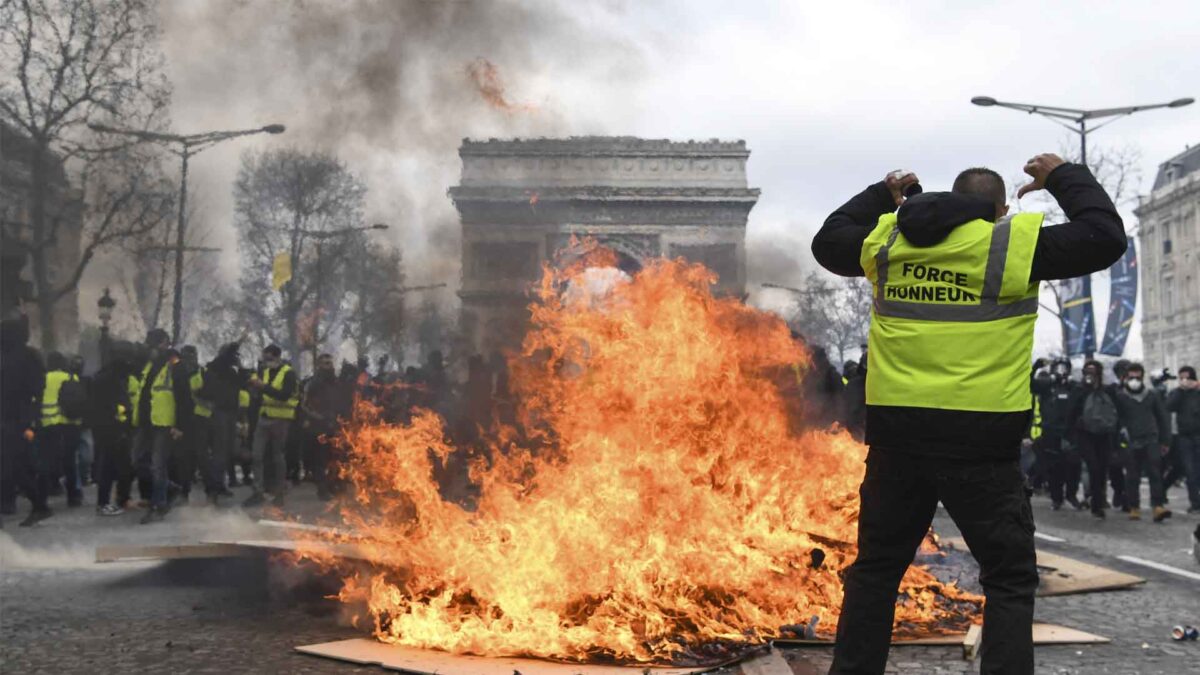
<point>279,389</point>
<point>222,390</point>
<point>1120,444</point>
<point>22,379</point>
<point>162,410</point>
<point>187,452</point>
<point>109,416</point>
<point>326,401</point>
<point>1093,417</point>
<point>1144,418</point>
<point>1184,401</point>
<point>1054,450</point>
<point>64,400</point>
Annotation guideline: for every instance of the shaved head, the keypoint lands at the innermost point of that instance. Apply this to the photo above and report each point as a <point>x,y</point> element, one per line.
<point>982,183</point>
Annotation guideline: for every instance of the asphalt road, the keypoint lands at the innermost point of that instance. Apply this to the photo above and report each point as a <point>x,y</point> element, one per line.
<point>61,612</point>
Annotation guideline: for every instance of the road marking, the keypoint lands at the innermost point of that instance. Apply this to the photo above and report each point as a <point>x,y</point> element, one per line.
<point>1159,566</point>
<point>1048,537</point>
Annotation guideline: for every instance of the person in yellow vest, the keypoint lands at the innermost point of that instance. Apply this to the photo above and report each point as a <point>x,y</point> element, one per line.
<point>955,282</point>
<point>61,426</point>
<point>192,451</point>
<point>278,387</point>
<point>162,411</point>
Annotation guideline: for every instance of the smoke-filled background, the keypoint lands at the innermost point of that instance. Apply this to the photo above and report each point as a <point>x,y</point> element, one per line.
<point>828,97</point>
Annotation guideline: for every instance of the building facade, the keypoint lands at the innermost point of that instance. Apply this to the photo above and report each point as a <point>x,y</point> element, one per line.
<point>64,219</point>
<point>520,201</point>
<point>1169,234</point>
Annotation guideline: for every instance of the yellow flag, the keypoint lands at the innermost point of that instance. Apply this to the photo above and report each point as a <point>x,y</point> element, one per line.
<point>281,270</point>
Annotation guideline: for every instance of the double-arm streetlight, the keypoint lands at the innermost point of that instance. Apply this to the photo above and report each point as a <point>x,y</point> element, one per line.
<point>185,146</point>
<point>1078,118</point>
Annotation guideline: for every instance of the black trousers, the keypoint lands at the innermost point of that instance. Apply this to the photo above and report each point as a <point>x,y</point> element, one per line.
<point>1096,450</point>
<point>899,496</point>
<point>31,468</point>
<point>1062,467</point>
<point>60,443</point>
<point>114,464</point>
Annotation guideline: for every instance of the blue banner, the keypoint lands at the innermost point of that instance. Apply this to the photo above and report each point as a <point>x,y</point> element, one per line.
<point>1123,301</point>
<point>1079,329</point>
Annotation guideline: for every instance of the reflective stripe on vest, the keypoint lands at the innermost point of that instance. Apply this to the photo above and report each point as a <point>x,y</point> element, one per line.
<point>273,407</point>
<point>196,381</point>
<point>51,414</point>
<point>162,397</point>
<point>952,324</point>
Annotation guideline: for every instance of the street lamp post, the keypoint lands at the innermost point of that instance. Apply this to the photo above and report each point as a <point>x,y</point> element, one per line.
<point>1078,117</point>
<point>105,307</point>
<point>188,145</point>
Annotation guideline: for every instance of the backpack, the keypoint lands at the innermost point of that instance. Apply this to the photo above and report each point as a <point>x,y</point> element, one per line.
<point>72,400</point>
<point>1099,414</point>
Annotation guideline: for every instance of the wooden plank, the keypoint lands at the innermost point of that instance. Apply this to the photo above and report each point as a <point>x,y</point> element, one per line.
<point>105,554</point>
<point>771,663</point>
<point>367,652</point>
<point>971,641</point>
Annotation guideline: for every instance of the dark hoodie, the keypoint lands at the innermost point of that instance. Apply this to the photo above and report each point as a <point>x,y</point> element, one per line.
<point>22,376</point>
<point>1093,240</point>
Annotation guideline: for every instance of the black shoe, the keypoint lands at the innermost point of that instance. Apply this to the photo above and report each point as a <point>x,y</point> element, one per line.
<point>153,515</point>
<point>1099,515</point>
<point>253,500</point>
<point>278,500</point>
<point>36,517</point>
<point>233,482</point>
<point>75,502</point>
<point>1056,506</point>
<point>1074,503</point>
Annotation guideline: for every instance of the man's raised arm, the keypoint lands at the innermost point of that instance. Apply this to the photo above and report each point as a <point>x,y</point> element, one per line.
<point>839,243</point>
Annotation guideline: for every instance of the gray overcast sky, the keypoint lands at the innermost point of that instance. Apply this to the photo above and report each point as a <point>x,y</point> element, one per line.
<point>828,95</point>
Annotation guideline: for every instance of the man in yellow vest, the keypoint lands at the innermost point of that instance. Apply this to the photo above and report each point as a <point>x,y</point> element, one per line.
<point>162,410</point>
<point>276,383</point>
<point>955,282</point>
<point>58,439</point>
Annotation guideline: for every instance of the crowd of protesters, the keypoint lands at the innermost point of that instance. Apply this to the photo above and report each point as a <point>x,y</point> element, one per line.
<point>1105,437</point>
<point>162,421</point>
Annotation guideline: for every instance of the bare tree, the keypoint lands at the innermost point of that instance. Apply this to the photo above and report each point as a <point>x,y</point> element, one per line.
<point>68,63</point>
<point>833,312</point>
<point>299,205</point>
<point>376,288</point>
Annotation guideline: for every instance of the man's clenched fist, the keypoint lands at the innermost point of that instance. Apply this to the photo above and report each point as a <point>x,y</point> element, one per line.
<point>1039,167</point>
<point>897,181</point>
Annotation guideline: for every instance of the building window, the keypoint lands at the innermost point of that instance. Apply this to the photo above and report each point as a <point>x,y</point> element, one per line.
<point>1168,296</point>
<point>1166,238</point>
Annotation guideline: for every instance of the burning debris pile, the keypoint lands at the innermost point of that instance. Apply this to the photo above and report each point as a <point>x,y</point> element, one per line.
<point>649,504</point>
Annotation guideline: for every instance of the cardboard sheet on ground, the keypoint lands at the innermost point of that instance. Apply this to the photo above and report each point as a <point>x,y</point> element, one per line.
<point>132,552</point>
<point>1061,575</point>
<point>366,652</point>
<point>1043,634</point>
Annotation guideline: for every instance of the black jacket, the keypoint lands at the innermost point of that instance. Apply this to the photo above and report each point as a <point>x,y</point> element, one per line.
<point>1079,399</point>
<point>1144,418</point>
<point>1055,401</point>
<point>1185,403</point>
<point>1093,240</point>
<point>22,377</point>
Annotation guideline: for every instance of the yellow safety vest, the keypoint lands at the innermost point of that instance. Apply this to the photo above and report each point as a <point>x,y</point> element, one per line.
<point>132,387</point>
<point>952,324</point>
<point>243,399</point>
<point>1035,429</point>
<point>51,414</point>
<point>196,382</point>
<point>162,397</point>
<point>273,407</point>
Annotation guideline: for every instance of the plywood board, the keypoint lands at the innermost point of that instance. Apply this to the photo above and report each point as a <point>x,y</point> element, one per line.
<point>367,652</point>
<point>1061,575</point>
<point>1043,634</point>
<point>105,554</point>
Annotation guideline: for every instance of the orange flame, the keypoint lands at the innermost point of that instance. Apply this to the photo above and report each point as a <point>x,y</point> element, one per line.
<point>653,498</point>
<point>486,77</point>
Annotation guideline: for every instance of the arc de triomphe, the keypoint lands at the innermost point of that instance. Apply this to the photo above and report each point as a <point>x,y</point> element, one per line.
<point>522,200</point>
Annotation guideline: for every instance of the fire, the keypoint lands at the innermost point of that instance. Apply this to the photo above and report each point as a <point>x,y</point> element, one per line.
<point>652,501</point>
<point>486,77</point>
